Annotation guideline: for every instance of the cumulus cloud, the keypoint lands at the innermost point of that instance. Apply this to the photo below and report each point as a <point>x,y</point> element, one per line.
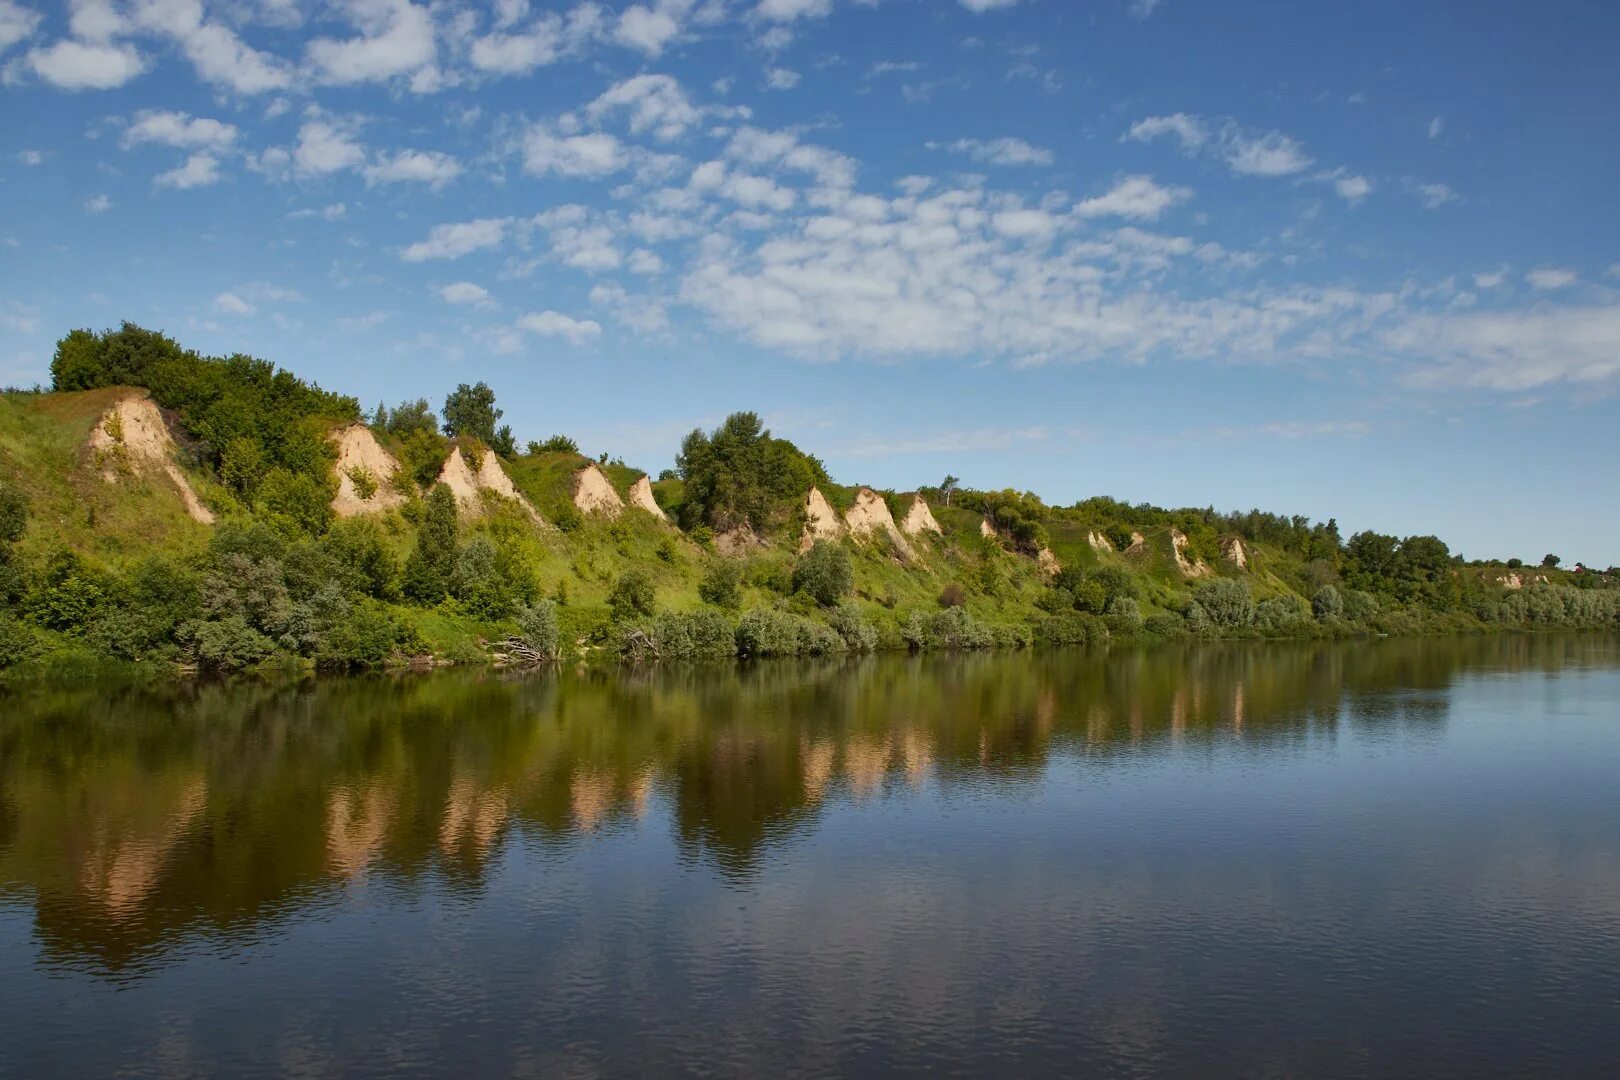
<point>452,241</point>
<point>467,294</point>
<point>556,324</point>
<point>79,65</point>
<point>231,304</point>
<point>395,38</point>
<point>198,170</point>
<point>1515,350</point>
<point>789,10</point>
<point>1245,151</point>
<point>326,145</point>
<point>654,104</point>
<point>1133,197</point>
<point>178,129</point>
<point>780,78</point>
<point>1352,189</point>
<point>1547,278</point>
<point>413,166</point>
<point>1004,151</point>
<point>513,50</point>
<point>97,204</point>
<point>17,23</point>
<point>593,154</point>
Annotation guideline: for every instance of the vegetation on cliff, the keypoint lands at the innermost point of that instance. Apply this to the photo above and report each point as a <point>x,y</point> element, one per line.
<point>101,560</point>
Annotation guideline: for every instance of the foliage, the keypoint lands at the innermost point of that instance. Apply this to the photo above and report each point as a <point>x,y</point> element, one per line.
<point>537,628</point>
<point>557,444</point>
<point>705,634</point>
<point>824,573</point>
<point>469,411</point>
<point>952,629</point>
<point>739,474</point>
<point>1226,602</point>
<point>848,623</point>
<point>1281,614</point>
<point>432,561</point>
<point>632,595</point>
<point>490,581</point>
<point>722,584</point>
<point>769,632</point>
<point>1328,603</point>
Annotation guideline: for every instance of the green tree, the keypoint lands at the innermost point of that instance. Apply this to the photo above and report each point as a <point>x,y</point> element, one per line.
<point>739,474</point>
<point>1227,602</point>
<point>503,443</point>
<point>632,595</point>
<point>410,417</point>
<point>432,561</point>
<point>557,444</point>
<point>824,573</point>
<point>947,487</point>
<point>1550,561</point>
<point>722,585</point>
<point>470,411</point>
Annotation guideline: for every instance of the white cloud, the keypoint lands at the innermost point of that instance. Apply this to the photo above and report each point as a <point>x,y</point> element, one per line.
<point>17,23</point>
<point>980,6</point>
<point>466,294</point>
<point>1005,151</point>
<point>31,158</point>
<point>1352,189</point>
<point>327,145</point>
<point>458,239</point>
<point>178,129</point>
<point>98,204</point>
<point>649,28</point>
<point>1515,351</point>
<point>223,59</point>
<point>1493,279</point>
<point>199,170</point>
<point>780,78</point>
<point>590,155</point>
<point>1134,197</point>
<point>556,324</point>
<point>413,166</point>
<point>783,150</point>
<point>789,10</point>
<point>77,65</point>
<point>231,304</point>
<point>1546,278</point>
<point>330,212</point>
<point>655,103</point>
<point>396,38</point>
<point>550,38</point>
<point>1246,152</point>
<point>1432,196</point>
<point>1143,9</point>
<point>1436,126</point>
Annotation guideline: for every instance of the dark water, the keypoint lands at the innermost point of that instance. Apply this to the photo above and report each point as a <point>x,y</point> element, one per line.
<point>1368,859</point>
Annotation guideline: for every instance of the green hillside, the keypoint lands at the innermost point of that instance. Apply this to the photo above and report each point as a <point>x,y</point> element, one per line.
<point>101,559</point>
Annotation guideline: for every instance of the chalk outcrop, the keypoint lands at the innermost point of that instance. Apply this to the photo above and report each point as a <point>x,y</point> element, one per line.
<point>1512,582</point>
<point>1048,562</point>
<point>133,439</point>
<point>361,457</point>
<point>594,493</point>
<point>820,520</point>
<point>738,542</point>
<point>986,529</point>
<point>1191,568</point>
<point>468,485</point>
<point>1098,541</point>
<point>1138,544</point>
<point>1233,551</point>
<point>919,519</point>
<point>869,515</point>
<point>641,497</point>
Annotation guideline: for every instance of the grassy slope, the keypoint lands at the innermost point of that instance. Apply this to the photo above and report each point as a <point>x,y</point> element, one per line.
<point>43,450</point>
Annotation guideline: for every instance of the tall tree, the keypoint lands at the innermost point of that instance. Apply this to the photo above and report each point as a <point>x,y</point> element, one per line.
<point>947,487</point>
<point>471,411</point>
<point>432,562</point>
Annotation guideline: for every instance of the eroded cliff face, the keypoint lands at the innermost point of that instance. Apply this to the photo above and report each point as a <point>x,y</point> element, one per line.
<point>594,493</point>
<point>133,440</point>
<point>359,454</point>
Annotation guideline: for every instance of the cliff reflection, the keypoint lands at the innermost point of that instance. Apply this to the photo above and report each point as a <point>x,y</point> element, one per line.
<point>133,818</point>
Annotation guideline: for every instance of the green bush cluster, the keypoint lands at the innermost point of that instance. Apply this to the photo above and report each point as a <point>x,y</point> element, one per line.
<point>769,632</point>
<point>825,573</point>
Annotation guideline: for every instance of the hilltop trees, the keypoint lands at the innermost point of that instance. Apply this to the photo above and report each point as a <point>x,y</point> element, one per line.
<point>470,411</point>
<point>739,474</point>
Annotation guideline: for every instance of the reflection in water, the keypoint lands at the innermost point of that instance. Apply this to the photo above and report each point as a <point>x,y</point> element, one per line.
<point>136,822</point>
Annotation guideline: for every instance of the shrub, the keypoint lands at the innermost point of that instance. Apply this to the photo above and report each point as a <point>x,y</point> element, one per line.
<point>824,573</point>
<point>17,640</point>
<point>358,546</point>
<point>1328,603</point>
<point>1359,606</point>
<point>1167,626</point>
<point>858,634</point>
<point>722,584</point>
<point>298,501</point>
<point>227,644</point>
<point>952,628</point>
<point>364,481</point>
<point>432,562</point>
<point>69,594</point>
<point>1070,628</point>
<point>1227,602</point>
<point>147,607</point>
<point>538,629</point>
<point>1126,611</point>
<point>367,637</point>
<point>632,595</point>
<point>1282,614</point>
<point>557,444</point>
<point>1091,595</point>
<point>695,635</point>
<point>952,596</point>
<point>765,632</point>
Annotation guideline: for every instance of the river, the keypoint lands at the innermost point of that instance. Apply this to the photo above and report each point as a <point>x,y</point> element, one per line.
<point>1302,859</point>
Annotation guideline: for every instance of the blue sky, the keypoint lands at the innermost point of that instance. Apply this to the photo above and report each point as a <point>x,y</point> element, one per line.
<point>1359,261</point>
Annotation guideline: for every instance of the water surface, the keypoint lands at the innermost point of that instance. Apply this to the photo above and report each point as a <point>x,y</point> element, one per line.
<point>1354,859</point>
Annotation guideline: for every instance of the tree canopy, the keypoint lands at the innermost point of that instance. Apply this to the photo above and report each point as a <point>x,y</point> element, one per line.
<point>739,474</point>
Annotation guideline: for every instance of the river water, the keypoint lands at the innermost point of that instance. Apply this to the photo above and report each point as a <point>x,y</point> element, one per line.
<point>1398,857</point>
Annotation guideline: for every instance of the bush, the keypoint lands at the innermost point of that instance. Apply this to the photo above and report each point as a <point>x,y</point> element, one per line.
<point>1126,611</point>
<point>69,594</point>
<point>1328,603</point>
<point>765,632</point>
<point>1166,626</point>
<point>228,644</point>
<point>1227,603</point>
<point>952,596</point>
<point>693,635</point>
<point>1071,628</point>
<point>432,561</point>
<point>633,594</point>
<point>18,641</point>
<point>557,444</point>
<point>298,501</point>
<point>1359,606</point>
<point>952,628</point>
<point>13,513</point>
<point>1282,614</point>
<point>858,634</point>
<point>722,584</point>
<point>367,637</point>
<point>538,629</point>
<point>824,573</point>
<point>490,582</point>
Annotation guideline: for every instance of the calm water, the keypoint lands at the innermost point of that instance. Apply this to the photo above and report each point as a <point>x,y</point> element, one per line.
<point>1401,857</point>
